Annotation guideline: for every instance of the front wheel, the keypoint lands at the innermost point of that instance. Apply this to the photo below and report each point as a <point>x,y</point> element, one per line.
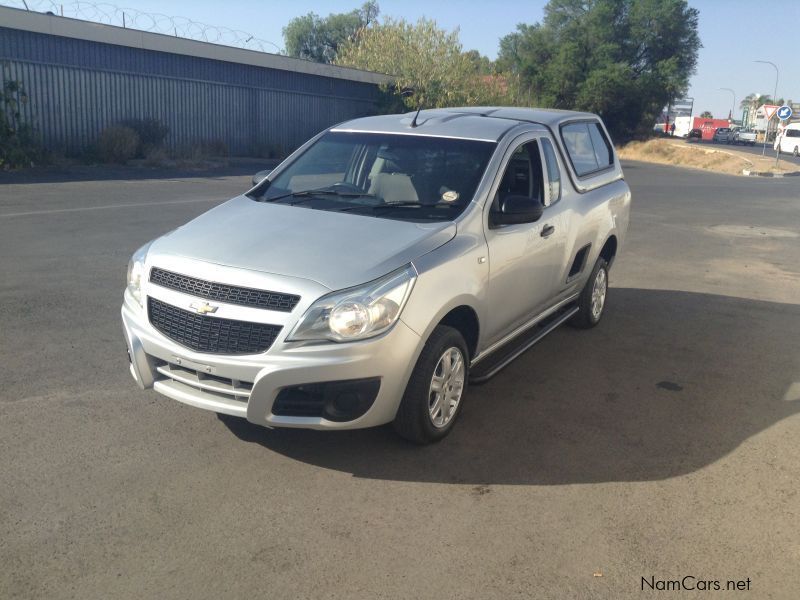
<point>796,151</point>
<point>433,397</point>
<point>592,300</point>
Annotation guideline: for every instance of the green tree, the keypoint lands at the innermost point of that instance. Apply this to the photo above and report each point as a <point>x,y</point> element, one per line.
<point>481,64</point>
<point>753,101</point>
<point>623,59</point>
<point>424,57</point>
<point>706,115</point>
<point>316,38</point>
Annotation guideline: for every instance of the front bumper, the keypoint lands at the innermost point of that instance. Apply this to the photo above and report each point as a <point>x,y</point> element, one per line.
<point>247,386</point>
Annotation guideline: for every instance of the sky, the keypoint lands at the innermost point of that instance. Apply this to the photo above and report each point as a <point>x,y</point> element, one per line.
<point>734,33</point>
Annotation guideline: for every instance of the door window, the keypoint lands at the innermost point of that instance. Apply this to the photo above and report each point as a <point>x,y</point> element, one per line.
<point>523,175</point>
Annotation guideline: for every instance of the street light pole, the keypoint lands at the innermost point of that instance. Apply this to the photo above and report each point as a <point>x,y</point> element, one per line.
<point>774,99</point>
<point>733,106</point>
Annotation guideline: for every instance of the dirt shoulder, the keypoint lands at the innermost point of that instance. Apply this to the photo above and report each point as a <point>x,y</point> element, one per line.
<point>696,156</point>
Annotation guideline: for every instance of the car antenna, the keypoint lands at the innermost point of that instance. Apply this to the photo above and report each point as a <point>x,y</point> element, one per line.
<point>407,93</point>
<point>414,122</point>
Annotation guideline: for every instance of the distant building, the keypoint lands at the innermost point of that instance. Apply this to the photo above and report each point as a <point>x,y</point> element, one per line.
<point>83,77</point>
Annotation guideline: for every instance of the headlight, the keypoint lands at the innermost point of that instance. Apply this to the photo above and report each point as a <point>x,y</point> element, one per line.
<point>136,272</point>
<point>357,313</point>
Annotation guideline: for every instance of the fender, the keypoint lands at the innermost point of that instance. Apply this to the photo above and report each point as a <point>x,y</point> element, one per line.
<point>455,274</point>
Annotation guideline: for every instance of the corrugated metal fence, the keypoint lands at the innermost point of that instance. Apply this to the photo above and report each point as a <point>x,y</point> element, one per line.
<point>78,87</point>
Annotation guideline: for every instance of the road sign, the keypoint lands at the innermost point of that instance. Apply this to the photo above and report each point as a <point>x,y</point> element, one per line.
<point>784,112</point>
<point>769,110</point>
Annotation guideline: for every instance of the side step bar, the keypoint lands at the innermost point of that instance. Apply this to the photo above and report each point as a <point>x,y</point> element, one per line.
<point>502,357</point>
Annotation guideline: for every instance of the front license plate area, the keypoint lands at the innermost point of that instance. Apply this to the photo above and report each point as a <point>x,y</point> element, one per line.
<point>190,364</point>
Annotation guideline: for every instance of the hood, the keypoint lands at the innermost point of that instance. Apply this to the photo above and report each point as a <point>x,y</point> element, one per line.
<point>337,250</point>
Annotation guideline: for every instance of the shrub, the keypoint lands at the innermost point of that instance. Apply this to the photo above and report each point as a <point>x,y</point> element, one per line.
<point>20,148</point>
<point>19,143</point>
<point>215,147</point>
<point>152,134</point>
<point>117,144</point>
<point>202,150</point>
<point>156,157</point>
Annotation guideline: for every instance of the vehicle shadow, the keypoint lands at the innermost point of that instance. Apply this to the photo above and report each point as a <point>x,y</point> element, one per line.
<point>668,383</point>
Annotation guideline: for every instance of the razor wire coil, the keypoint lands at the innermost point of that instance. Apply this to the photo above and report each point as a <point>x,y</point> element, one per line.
<point>131,18</point>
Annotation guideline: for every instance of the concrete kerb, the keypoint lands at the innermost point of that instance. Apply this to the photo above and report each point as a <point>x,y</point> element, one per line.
<point>769,173</point>
<point>748,172</point>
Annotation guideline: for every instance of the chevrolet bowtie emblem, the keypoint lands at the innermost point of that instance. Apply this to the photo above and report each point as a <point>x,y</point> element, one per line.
<point>203,307</point>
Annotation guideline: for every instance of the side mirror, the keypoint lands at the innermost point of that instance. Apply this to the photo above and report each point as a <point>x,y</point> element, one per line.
<point>517,209</point>
<point>261,176</point>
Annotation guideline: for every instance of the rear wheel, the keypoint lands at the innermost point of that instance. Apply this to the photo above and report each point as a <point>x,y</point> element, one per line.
<point>592,300</point>
<point>433,397</point>
<point>796,151</point>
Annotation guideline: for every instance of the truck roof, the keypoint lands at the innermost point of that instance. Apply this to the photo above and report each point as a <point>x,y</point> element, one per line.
<point>486,123</point>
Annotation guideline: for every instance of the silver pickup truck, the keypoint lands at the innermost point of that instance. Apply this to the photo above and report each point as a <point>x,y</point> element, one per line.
<point>379,269</point>
<point>742,136</point>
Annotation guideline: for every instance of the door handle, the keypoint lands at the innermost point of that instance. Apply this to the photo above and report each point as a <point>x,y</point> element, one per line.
<point>547,231</point>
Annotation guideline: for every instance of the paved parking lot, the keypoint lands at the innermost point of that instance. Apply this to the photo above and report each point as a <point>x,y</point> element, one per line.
<point>663,443</point>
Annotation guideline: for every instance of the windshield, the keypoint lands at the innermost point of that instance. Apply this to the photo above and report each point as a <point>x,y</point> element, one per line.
<point>407,177</point>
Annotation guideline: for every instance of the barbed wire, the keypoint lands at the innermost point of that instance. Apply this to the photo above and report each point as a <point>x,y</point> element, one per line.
<point>131,18</point>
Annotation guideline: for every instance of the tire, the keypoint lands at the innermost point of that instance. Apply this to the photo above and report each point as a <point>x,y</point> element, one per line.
<point>796,151</point>
<point>588,316</point>
<point>414,420</point>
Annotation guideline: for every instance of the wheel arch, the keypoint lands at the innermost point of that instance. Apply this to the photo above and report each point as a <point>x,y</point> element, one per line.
<point>464,319</point>
<point>609,250</point>
<point>460,312</point>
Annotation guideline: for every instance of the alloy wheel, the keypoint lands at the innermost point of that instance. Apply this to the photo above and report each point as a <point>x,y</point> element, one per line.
<point>599,289</point>
<point>447,385</point>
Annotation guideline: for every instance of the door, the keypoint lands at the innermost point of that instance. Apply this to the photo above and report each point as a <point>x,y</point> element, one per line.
<point>524,259</point>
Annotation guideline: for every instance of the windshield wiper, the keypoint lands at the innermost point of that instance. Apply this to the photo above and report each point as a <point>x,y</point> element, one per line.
<point>376,206</point>
<point>310,194</point>
<point>389,205</point>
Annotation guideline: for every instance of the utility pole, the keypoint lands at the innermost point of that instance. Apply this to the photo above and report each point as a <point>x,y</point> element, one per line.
<point>774,99</point>
<point>733,106</point>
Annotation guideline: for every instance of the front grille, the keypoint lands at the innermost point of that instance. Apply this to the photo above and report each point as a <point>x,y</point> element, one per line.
<point>230,294</point>
<point>210,334</point>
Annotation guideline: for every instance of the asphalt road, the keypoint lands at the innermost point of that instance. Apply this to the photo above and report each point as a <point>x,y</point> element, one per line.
<point>759,148</point>
<point>663,443</point>
<point>757,151</point>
